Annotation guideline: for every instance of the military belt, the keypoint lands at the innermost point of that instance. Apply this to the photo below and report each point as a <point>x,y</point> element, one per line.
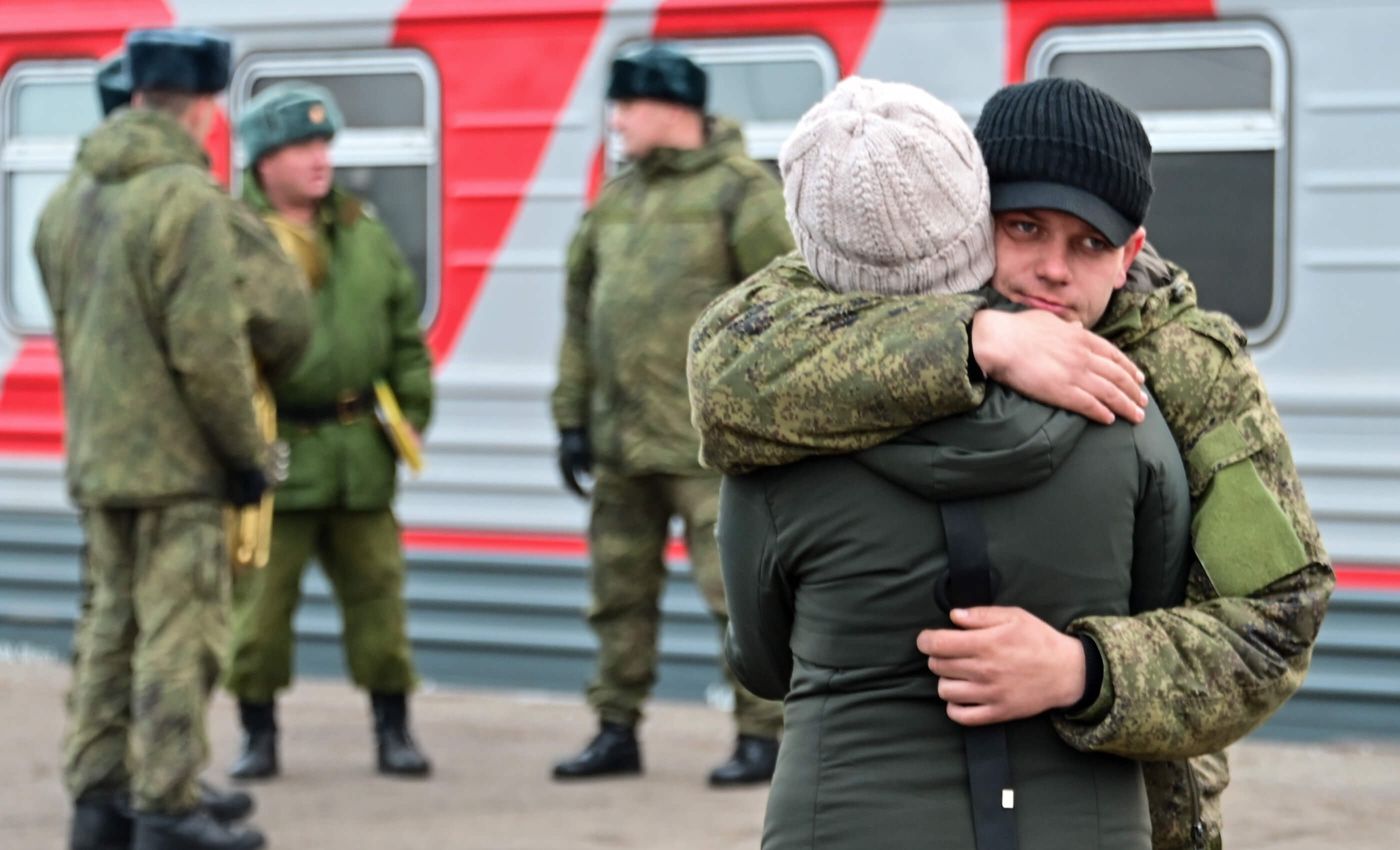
<point>968,585</point>
<point>348,408</point>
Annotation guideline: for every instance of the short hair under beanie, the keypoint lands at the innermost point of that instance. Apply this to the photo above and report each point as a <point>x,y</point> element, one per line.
<point>287,113</point>
<point>178,60</point>
<point>1062,144</point>
<point>659,73</point>
<point>887,192</point>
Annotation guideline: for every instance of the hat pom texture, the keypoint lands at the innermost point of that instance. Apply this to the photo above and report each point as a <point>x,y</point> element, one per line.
<point>887,192</point>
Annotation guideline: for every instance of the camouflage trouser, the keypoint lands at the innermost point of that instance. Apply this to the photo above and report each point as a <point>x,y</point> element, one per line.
<point>148,652</point>
<point>362,557</point>
<point>627,540</point>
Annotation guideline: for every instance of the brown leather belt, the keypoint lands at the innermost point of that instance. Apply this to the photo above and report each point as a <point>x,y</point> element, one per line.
<point>348,408</point>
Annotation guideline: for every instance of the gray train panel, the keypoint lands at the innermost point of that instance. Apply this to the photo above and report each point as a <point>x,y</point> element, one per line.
<point>518,623</point>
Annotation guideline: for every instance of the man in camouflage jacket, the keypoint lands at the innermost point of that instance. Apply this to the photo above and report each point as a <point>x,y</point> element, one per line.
<point>143,259</point>
<point>782,368</point>
<point>691,216</point>
<point>337,501</point>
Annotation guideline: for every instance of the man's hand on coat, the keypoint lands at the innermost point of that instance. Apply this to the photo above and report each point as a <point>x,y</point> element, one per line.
<point>1003,664</point>
<point>1058,363</point>
<point>575,458</point>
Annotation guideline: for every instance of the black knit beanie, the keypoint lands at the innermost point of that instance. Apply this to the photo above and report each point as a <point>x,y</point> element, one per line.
<point>1062,144</point>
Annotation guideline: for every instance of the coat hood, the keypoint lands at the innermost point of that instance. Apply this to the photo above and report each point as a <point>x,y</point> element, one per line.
<point>1009,443</point>
<point>723,139</point>
<point>1157,291</point>
<point>136,140</point>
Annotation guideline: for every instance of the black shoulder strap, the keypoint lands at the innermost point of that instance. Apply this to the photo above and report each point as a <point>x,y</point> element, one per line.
<point>969,584</point>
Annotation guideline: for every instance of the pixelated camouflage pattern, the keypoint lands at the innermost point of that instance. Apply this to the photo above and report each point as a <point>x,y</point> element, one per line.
<point>665,237</point>
<point>1181,683</point>
<point>138,256</point>
<point>627,538</point>
<point>154,635</point>
<point>362,558</point>
<point>782,368</point>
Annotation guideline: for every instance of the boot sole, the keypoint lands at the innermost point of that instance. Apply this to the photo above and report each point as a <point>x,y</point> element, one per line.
<point>620,773</point>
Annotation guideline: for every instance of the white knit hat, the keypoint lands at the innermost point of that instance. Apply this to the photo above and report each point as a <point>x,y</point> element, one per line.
<point>887,192</point>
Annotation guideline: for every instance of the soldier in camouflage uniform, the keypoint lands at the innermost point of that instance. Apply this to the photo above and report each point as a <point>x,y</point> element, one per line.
<point>690,217</point>
<point>337,500</point>
<point>782,368</point>
<point>140,256</point>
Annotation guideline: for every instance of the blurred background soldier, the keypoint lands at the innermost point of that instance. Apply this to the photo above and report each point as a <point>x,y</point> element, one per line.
<point>691,217</point>
<point>336,502</point>
<point>137,254</point>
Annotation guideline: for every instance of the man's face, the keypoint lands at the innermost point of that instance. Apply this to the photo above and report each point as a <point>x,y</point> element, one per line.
<point>1058,262</point>
<point>300,172</point>
<point>642,125</point>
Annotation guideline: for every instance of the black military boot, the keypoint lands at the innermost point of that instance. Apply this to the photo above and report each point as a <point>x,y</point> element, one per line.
<point>612,752</point>
<point>102,820</point>
<point>225,806</point>
<point>397,755</point>
<point>752,763</point>
<point>259,757</point>
<point>194,830</point>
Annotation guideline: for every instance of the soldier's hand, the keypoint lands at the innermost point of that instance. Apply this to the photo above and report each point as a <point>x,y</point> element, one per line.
<point>575,458</point>
<point>1003,664</point>
<point>1058,363</point>
<point>246,487</point>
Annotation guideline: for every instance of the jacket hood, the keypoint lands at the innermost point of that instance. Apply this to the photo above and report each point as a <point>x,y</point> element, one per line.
<point>137,140</point>
<point>723,139</point>
<point>1156,292</point>
<point>1009,443</point>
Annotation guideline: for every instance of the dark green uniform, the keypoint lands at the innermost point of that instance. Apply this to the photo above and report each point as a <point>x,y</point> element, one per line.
<point>782,369</point>
<point>666,236</point>
<point>140,260</point>
<point>336,502</point>
<point>832,565</point>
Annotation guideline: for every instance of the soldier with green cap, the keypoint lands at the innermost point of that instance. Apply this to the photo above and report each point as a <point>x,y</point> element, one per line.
<point>336,503</point>
<point>140,255</point>
<point>690,217</point>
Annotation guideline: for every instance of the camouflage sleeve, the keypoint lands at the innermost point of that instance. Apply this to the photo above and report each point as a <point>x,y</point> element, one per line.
<point>195,276</point>
<point>781,368</point>
<point>758,232</point>
<point>571,394</point>
<point>760,600</point>
<point>1191,680</point>
<point>411,369</point>
<point>275,296</point>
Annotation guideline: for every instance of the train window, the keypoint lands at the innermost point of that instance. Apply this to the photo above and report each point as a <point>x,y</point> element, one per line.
<point>45,107</point>
<point>764,83</point>
<point>1214,100</point>
<point>388,152</point>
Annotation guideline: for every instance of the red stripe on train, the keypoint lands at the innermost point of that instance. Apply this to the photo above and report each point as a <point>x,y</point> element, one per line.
<point>31,397</point>
<point>574,547</point>
<point>507,75</point>
<point>846,25</point>
<point>1027,19</point>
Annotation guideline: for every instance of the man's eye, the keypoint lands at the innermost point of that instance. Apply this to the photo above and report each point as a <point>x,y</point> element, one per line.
<point>1094,245</point>
<point>1025,227</point>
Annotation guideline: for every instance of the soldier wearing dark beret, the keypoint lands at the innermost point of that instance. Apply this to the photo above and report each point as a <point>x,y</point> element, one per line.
<point>689,218</point>
<point>114,84</point>
<point>337,501</point>
<point>139,252</point>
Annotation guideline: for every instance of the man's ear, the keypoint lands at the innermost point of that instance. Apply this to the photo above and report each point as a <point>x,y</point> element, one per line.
<point>1131,248</point>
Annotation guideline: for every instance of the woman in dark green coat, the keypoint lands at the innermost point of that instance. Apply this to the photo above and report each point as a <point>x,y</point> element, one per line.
<point>833,565</point>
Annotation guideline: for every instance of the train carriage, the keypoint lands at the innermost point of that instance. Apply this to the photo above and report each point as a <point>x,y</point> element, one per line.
<point>476,128</point>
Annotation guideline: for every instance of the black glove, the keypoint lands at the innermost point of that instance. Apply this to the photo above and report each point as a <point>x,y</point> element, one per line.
<point>246,487</point>
<point>575,458</point>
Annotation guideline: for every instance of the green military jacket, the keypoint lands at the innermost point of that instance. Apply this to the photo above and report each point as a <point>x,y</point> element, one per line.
<point>782,368</point>
<point>138,252</point>
<point>275,296</point>
<point>830,568</point>
<point>365,329</point>
<point>666,237</point>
